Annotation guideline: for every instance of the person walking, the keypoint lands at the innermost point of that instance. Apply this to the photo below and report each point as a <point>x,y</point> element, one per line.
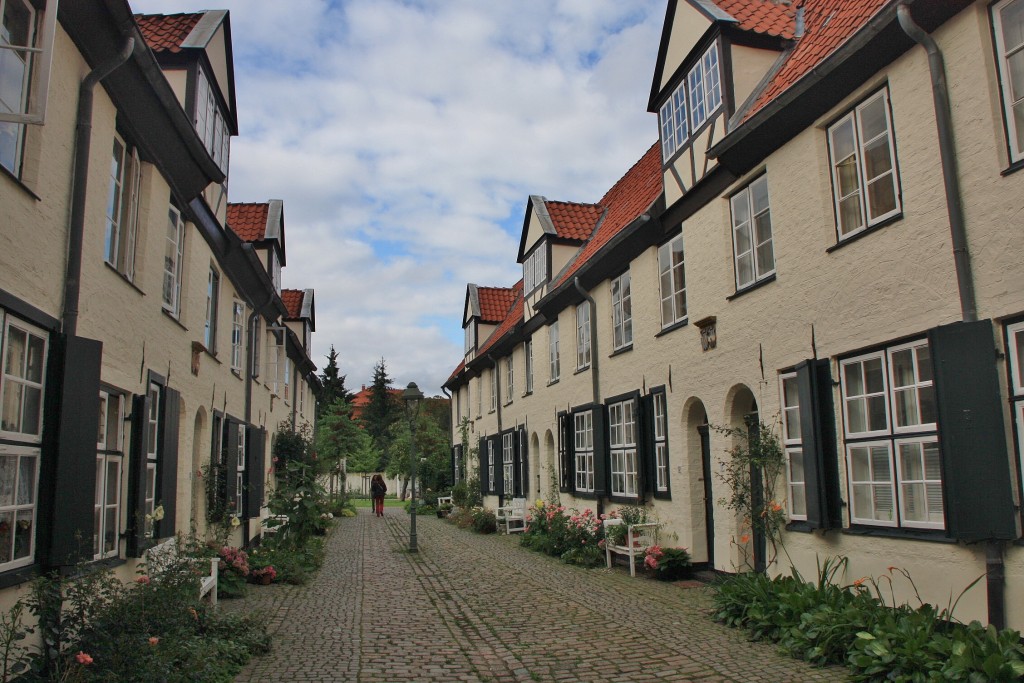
<point>377,490</point>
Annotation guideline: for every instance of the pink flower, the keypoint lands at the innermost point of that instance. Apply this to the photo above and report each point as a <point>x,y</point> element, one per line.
<point>83,659</point>
<point>153,640</point>
<point>651,561</point>
<point>144,580</point>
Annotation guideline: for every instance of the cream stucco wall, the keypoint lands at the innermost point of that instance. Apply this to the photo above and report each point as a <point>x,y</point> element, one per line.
<point>688,27</point>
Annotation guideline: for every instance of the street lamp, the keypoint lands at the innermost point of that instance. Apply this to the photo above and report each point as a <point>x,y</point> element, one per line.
<point>412,397</point>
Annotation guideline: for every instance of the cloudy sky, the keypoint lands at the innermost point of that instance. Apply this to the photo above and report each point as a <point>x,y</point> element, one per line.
<point>405,138</point>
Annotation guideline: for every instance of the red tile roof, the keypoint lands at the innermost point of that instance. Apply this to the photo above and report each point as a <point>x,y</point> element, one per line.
<point>361,399</point>
<point>628,199</point>
<point>513,317</point>
<point>762,16</point>
<point>574,221</point>
<point>827,25</point>
<point>293,302</point>
<point>495,302</point>
<point>249,221</point>
<point>166,32</point>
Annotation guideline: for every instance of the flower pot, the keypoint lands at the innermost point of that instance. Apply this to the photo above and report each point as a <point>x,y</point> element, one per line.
<point>265,580</point>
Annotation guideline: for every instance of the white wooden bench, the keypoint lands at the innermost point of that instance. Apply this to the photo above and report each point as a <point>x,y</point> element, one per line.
<point>513,515</point>
<point>164,556</point>
<point>444,500</point>
<point>639,537</point>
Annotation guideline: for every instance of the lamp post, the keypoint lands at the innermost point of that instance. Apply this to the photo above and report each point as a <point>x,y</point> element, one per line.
<point>412,397</point>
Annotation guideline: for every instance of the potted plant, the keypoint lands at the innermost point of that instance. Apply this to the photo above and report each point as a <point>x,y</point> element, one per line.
<point>263,576</point>
<point>444,510</point>
<point>668,564</point>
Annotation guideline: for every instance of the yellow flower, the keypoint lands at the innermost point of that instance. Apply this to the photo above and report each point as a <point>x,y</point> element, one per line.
<point>540,504</point>
<point>234,521</point>
<point>158,513</point>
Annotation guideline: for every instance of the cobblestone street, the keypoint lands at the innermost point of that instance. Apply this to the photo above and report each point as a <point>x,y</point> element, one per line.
<point>480,608</point>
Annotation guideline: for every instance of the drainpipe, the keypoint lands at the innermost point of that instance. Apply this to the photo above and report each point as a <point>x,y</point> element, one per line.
<point>79,185</point>
<point>994,566</point>
<point>595,375</point>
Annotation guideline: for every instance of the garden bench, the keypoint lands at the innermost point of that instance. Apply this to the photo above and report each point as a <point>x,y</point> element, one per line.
<point>444,500</point>
<point>513,515</point>
<point>163,556</point>
<point>639,537</point>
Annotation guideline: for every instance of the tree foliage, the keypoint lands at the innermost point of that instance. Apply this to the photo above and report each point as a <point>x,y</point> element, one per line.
<point>339,437</point>
<point>332,385</point>
<point>432,450</point>
<point>381,411</point>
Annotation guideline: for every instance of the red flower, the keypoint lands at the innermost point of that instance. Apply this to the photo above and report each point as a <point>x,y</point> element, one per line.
<point>153,640</point>
<point>83,659</point>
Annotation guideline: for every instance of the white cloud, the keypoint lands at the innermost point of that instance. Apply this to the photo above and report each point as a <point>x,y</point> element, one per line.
<point>402,136</point>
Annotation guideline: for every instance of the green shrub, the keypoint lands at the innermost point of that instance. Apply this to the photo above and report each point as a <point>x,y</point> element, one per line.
<point>484,521</point>
<point>293,565</point>
<point>670,564</point>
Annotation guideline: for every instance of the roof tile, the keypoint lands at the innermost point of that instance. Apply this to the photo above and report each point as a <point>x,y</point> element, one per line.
<point>574,221</point>
<point>166,32</point>
<point>293,302</point>
<point>513,317</point>
<point>495,303</point>
<point>770,17</point>
<point>249,221</point>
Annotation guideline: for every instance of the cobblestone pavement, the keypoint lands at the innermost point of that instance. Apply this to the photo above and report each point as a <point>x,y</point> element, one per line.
<point>469,607</point>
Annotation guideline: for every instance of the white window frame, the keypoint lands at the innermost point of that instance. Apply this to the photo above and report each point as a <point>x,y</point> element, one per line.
<point>660,442</point>
<point>240,472</point>
<point>494,389</point>
<point>748,245</point>
<point>174,251</point>
<point>792,441</point>
<point>152,454</point>
<point>470,336</point>
<point>490,464</point>
<point>622,312</point>
<point>704,83</point>
<point>674,276</point>
<point>212,304</point>
<point>583,357</point>
<point>480,397</point>
<point>918,385</point>
<point>210,122</point>
<point>528,355</point>
<point>535,269</point>
<point>20,380</point>
<point>109,453</point>
<point>674,122</point>
<point>286,377</point>
<point>273,364</point>
<point>510,379</point>
<point>237,335</point>
<point>925,481</point>
<point>554,360</point>
<point>583,452</point>
<point>875,482</point>
<point>866,396</point>
<point>622,442</point>
<point>1004,52</point>
<point>507,452</point>
<point>854,121</point>
<point>122,212</point>
<point>1015,352</point>
<point>19,453</point>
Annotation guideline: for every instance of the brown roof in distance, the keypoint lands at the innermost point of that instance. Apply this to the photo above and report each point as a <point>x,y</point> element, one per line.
<point>249,220</point>
<point>166,32</point>
<point>495,302</point>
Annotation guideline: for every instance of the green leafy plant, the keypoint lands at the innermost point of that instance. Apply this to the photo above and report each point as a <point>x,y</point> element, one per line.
<point>668,564</point>
<point>484,521</point>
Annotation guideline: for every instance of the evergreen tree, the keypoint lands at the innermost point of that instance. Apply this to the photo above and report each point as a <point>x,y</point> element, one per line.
<point>381,411</point>
<point>332,385</point>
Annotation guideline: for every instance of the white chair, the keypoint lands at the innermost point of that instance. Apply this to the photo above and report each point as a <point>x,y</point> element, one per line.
<point>513,515</point>
<point>639,537</point>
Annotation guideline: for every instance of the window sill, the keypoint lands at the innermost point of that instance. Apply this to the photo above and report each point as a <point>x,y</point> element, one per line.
<point>617,352</point>
<point>124,277</point>
<point>526,393</point>
<point>624,499</point>
<point>15,577</point>
<point>905,534</point>
<point>750,288</point>
<point>673,327</point>
<point>506,404</point>
<point>173,318</point>
<point>491,411</point>
<point>662,495</point>
<point>1013,168</point>
<point>581,370</point>
<point>17,181</point>
<point>236,372</point>
<point>553,382</point>
<point>864,233</point>
<point>800,525</point>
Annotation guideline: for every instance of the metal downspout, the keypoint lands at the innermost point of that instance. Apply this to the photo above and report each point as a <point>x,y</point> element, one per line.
<point>79,185</point>
<point>994,566</point>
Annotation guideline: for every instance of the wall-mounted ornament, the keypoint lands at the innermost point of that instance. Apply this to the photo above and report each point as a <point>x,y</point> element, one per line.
<point>708,332</point>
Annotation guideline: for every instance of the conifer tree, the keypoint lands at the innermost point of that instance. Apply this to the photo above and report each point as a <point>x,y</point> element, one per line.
<point>332,385</point>
<point>381,410</point>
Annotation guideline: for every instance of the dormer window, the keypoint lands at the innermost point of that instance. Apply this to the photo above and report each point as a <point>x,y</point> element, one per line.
<point>470,330</point>
<point>535,269</point>
<point>692,103</point>
<point>275,271</point>
<point>210,122</point>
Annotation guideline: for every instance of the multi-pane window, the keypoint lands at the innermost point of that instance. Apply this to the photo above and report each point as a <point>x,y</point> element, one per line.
<point>123,208</point>
<point>109,465</point>
<point>583,335</point>
<point>554,361</point>
<point>1008,20</point>
<point>17,26</point>
<point>240,471</point>
<point>506,463</point>
<point>892,447</point>
<point>174,249</point>
<point>704,83</point>
<point>863,160</point>
<point>528,355</point>
<point>480,397</point>
<point>672,279</point>
<point>152,454</point>
<point>237,334</point>
<point>212,301</point>
<point>622,440</point>
<point>583,429</point>
<point>660,443</point>
<point>622,312</point>
<point>793,443</point>
<point>1015,351</point>
<point>286,377</point>
<point>24,366</point>
<point>494,388</point>
<point>470,334</point>
<point>275,270</point>
<point>510,379</point>
<point>19,474</point>
<point>256,345</point>
<point>490,464</point>
<point>535,269</point>
<point>275,360</point>
<point>700,93</point>
<point>210,122</point>
<point>752,233</point>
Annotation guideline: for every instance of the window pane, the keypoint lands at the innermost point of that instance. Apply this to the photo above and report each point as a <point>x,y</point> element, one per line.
<point>856,418</point>
<point>903,368</point>
<point>877,161</point>
<point>17,340</point>
<point>8,473</point>
<point>842,139</point>
<point>850,214</point>
<point>882,196</point>
<point>880,463</point>
<point>27,481</point>
<point>911,463</point>
<point>860,464</point>
<point>876,413</point>
<point>12,406</point>
<point>872,118</point>
<point>765,257</point>
<point>906,407</point>
<point>874,378</point>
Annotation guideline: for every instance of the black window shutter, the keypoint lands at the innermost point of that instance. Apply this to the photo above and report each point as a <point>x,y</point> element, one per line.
<point>601,453</point>
<point>231,465</point>
<point>517,481</point>
<point>972,437</point>
<point>524,464</point>
<point>452,465</point>
<point>71,535</point>
<point>481,452</point>
<point>255,466</point>
<point>817,432</point>
<point>566,445</point>
<point>136,533</point>
<point>499,479</point>
<point>646,465</point>
<point>167,476</point>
